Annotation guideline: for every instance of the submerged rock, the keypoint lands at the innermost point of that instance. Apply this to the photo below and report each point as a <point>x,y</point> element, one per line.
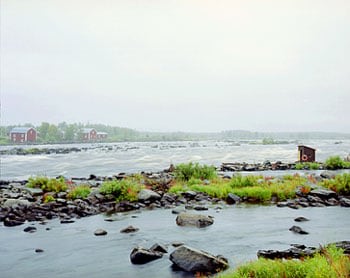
<point>29,229</point>
<point>191,219</point>
<point>193,260</point>
<point>298,230</point>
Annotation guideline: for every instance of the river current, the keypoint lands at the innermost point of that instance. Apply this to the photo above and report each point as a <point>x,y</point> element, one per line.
<point>72,250</point>
<point>113,158</point>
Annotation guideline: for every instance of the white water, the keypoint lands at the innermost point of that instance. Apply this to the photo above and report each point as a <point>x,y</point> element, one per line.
<point>110,159</point>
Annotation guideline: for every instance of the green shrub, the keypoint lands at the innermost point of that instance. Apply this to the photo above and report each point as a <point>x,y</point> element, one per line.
<point>48,185</point>
<point>185,172</point>
<point>123,190</point>
<point>79,192</point>
<point>335,162</point>
<point>330,263</point>
<point>244,181</point>
<point>307,166</point>
<point>340,183</point>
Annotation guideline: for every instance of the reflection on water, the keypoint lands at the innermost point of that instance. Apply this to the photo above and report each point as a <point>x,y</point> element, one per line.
<point>110,159</point>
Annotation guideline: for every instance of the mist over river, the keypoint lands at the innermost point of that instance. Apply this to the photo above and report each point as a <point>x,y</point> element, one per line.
<point>112,158</point>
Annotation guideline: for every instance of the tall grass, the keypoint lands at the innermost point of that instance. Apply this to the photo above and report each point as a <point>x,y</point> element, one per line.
<point>340,183</point>
<point>184,172</point>
<point>329,263</point>
<point>47,184</point>
<point>122,190</point>
<point>254,188</point>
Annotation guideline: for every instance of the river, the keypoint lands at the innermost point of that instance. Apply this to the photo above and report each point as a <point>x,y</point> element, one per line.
<point>72,250</point>
<point>109,159</point>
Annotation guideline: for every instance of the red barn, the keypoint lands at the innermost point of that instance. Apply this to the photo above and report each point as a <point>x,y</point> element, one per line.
<point>23,134</point>
<point>89,134</point>
<point>102,135</point>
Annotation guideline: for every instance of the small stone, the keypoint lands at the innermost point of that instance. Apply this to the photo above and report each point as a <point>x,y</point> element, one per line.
<point>129,229</point>
<point>298,230</point>
<point>29,230</point>
<point>301,219</point>
<point>100,232</point>
<point>67,221</point>
<point>38,250</point>
<point>159,248</point>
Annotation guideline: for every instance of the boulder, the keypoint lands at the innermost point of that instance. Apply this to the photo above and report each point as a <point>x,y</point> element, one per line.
<point>298,230</point>
<point>345,202</point>
<point>296,252</point>
<point>13,203</point>
<point>29,229</point>
<point>301,219</point>
<point>148,195</point>
<point>100,232</point>
<point>232,199</point>
<point>159,248</point>
<point>129,229</point>
<point>191,219</point>
<point>323,193</point>
<point>345,245</point>
<point>141,255</point>
<point>197,261</point>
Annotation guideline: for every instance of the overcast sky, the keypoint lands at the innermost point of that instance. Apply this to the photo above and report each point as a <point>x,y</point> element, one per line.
<point>190,65</point>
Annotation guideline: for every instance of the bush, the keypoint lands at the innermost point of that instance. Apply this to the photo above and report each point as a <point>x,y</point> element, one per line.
<point>244,181</point>
<point>340,183</point>
<point>330,263</point>
<point>307,166</point>
<point>48,185</point>
<point>123,190</point>
<point>79,192</point>
<point>335,162</point>
<point>185,172</point>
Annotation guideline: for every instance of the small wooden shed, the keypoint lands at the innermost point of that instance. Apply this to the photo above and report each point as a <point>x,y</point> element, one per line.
<point>306,154</point>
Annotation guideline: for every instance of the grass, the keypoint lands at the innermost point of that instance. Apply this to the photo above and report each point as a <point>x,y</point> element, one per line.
<point>336,162</point>
<point>79,192</point>
<point>252,188</point>
<point>329,263</point>
<point>47,184</point>
<point>184,172</point>
<point>340,183</point>
<point>307,166</point>
<point>123,190</point>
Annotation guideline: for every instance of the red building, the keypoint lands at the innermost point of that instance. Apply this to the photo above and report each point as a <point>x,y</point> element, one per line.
<point>23,134</point>
<point>102,135</point>
<point>89,134</point>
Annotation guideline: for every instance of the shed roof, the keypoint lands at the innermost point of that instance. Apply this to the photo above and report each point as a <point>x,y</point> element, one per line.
<point>306,147</point>
<point>20,129</point>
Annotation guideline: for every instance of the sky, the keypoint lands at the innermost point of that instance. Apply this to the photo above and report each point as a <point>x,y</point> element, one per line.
<point>186,65</point>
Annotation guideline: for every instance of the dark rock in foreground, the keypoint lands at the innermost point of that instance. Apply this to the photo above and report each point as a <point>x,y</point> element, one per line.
<point>29,229</point>
<point>141,255</point>
<point>191,219</point>
<point>196,261</point>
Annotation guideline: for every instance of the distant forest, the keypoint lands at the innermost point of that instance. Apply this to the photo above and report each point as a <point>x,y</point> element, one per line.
<point>69,133</point>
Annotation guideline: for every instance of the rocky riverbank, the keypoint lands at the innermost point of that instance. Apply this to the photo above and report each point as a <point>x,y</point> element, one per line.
<point>19,203</point>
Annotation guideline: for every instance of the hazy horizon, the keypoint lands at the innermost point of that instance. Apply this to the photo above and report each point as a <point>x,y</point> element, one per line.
<point>168,66</point>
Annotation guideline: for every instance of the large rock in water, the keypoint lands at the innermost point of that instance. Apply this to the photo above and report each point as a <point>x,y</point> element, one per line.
<point>193,260</point>
<point>323,193</point>
<point>148,195</point>
<point>191,219</point>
